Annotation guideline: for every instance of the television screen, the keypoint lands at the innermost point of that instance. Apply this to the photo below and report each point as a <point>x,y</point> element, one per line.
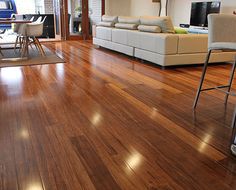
<point>200,11</point>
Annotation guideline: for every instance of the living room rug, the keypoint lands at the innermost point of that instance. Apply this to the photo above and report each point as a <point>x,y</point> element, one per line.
<point>34,58</point>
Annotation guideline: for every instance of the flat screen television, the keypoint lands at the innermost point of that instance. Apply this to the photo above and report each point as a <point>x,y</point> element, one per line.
<point>200,11</point>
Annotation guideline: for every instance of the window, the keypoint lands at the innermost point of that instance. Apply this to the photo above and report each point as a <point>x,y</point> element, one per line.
<point>5,5</point>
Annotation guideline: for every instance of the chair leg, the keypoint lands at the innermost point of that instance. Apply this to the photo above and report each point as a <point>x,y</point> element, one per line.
<point>21,43</point>
<point>25,47</point>
<point>35,44</point>
<point>16,42</point>
<point>233,138</point>
<point>230,81</point>
<point>202,79</point>
<point>1,51</point>
<point>39,47</point>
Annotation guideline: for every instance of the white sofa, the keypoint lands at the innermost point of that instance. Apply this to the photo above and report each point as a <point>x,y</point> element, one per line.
<point>164,49</point>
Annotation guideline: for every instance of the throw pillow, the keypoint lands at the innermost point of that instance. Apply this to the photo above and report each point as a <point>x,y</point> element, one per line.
<point>106,18</point>
<point>153,29</point>
<point>164,23</point>
<point>106,24</point>
<point>126,26</point>
<point>129,20</point>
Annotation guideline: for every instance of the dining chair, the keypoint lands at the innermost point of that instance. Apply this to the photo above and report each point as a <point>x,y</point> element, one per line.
<point>221,36</point>
<point>39,19</point>
<point>16,28</point>
<point>30,34</point>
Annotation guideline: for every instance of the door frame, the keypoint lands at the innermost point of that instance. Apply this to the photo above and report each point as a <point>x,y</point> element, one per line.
<point>85,21</point>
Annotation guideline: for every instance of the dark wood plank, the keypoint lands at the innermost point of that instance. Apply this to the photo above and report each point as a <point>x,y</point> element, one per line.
<point>96,169</point>
<point>104,120</point>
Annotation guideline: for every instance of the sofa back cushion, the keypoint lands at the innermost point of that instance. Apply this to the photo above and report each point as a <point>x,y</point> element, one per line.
<point>126,26</point>
<point>146,28</point>
<point>106,24</point>
<point>106,18</point>
<point>164,23</point>
<point>129,20</point>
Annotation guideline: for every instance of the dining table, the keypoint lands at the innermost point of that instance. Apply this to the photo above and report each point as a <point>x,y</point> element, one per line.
<point>13,21</point>
<point>4,21</point>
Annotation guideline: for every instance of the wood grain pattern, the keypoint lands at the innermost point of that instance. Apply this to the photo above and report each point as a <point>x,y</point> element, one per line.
<point>103,120</point>
<point>96,169</point>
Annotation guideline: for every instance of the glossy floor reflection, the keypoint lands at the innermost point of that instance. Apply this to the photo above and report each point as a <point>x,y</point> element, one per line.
<point>106,121</point>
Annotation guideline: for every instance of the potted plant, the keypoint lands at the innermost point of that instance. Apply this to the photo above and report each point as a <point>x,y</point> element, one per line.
<point>78,11</point>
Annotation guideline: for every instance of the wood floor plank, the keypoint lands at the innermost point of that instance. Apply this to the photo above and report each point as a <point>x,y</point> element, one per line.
<point>96,169</point>
<point>8,175</point>
<point>104,120</point>
<point>171,126</point>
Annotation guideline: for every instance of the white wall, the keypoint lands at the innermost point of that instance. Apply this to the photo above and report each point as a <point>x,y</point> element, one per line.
<point>144,7</point>
<point>48,6</point>
<point>118,7</point>
<point>96,7</point>
<point>23,9</point>
<point>33,6</point>
<point>132,7</point>
<point>180,10</point>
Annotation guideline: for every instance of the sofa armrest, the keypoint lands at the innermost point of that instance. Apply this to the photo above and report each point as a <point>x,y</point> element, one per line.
<point>192,43</point>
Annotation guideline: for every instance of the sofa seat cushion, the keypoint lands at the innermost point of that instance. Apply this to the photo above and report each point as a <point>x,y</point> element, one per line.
<point>126,26</point>
<point>192,43</point>
<point>153,29</point>
<point>120,36</point>
<point>103,33</point>
<point>113,19</point>
<point>223,46</point>
<point>129,20</point>
<point>106,24</point>
<point>164,23</point>
<point>183,59</point>
<point>158,43</point>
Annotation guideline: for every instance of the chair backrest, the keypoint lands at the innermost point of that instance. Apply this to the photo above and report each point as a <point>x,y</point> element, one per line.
<point>39,19</point>
<point>44,19</point>
<point>34,29</point>
<point>222,28</point>
<point>32,19</point>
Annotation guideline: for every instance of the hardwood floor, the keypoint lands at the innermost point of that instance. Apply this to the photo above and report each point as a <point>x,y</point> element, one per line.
<point>106,121</point>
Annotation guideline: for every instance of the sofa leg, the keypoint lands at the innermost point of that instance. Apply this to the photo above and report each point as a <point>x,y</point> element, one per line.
<point>97,46</point>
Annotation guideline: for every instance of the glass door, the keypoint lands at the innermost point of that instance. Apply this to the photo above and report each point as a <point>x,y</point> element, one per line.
<point>80,16</point>
<point>58,12</point>
<point>76,17</point>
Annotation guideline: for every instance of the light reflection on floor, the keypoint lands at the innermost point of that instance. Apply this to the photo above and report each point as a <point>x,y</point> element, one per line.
<point>11,75</point>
